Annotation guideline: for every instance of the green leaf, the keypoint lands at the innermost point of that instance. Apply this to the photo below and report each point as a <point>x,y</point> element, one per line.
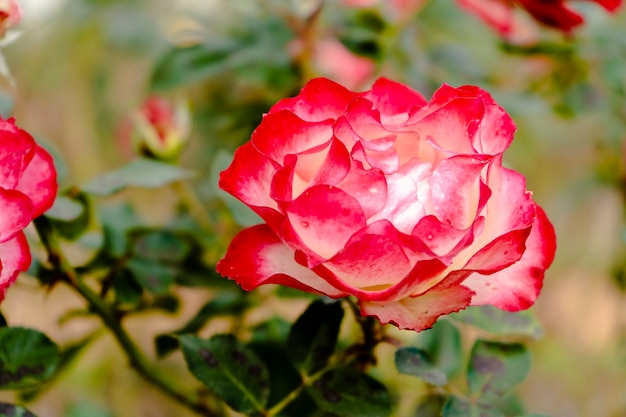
<point>416,362</point>
<point>229,369</point>
<point>3,321</point>
<point>313,337</point>
<point>139,173</point>
<point>70,216</point>
<point>27,357</point>
<point>10,410</point>
<point>153,276</point>
<point>351,393</point>
<point>443,344</point>
<point>128,292</point>
<point>65,209</point>
<point>431,405</point>
<point>496,321</point>
<point>161,245</point>
<point>225,304</point>
<point>495,368</point>
<point>458,407</point>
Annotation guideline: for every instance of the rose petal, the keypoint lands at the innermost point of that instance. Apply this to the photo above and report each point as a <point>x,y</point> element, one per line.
<point>500,253</point>
<point>402,207</point>
<point>16,151</point>
<point>517,287</point>
<point>325,217</point>
<point>283,133</point>
<point>17,212</point>
<point>394,101</point>
<point>371,198</point>
<point>256,256</point>
<point>455,187</point>
<point>14,258</point>
<point>370,261</point>
<point>39,181</point>
<point>249,178</point>
<point>320,99</point>
<point>419,313</point>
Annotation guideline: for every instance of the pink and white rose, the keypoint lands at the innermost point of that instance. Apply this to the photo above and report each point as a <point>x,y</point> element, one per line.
<point>398,201</point>
<point>27,189</point>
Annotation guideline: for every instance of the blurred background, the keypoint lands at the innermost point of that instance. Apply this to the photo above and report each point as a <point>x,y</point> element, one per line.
<point>81,67</point>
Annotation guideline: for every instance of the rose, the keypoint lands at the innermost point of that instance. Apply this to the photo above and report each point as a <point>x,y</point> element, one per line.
<point>399,202</point>
<point>27,189</point>
<point>554,13</point>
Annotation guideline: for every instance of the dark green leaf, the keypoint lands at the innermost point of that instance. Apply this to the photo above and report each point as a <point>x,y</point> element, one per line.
<point>3,321</point>
<point>496,321</point>
<point>153,276</point>
<point>10,410</point>
<point>416,362</point>
<point>349,392</point>
<point>313,336</point>
<point>225,304</point>
<point>229,369</point>
<point>161,245</point>
<point>27,357</point>
<point>139,173</point>
<point>128,292</point>
<point>458,407</point>
<point>443,344</point>
<point>431,405</point>
<point>495,368</point>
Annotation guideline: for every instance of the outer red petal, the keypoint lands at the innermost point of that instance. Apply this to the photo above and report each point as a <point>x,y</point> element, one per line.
<point>249,178</point>
<point>419,313</point>
<point>283,133</point>
<point>17,212</point>
<point>325,217</point>
<point>14,258</point>
<point>395,101</point>
<point>370,261</point>
<point>16,151</point>
<point>516,287</point>
<point>552,13</point>
<point>320,99</point>
<point>256,256</point>
<point>39,181</point>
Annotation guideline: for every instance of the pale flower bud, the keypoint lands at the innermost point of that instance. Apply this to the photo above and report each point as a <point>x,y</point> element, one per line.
<point>161,127</point>
<point>10,15</point>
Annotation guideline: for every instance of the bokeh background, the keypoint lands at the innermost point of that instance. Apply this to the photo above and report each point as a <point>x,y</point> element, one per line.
<point>81,66</point>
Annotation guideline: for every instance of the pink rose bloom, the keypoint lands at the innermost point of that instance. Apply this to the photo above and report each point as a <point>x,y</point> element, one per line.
<point>500,14</point>
<point>10,15</point>
<point>27,189</point>
<point>398,201</point>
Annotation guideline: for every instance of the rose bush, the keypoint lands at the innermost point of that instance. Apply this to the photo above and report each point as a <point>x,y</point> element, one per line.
<point>27,189</point>
<point>399,202</point>
<point>500,14</point>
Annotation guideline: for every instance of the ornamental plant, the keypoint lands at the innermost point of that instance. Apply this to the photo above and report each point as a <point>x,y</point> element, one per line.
<point>347,231</point>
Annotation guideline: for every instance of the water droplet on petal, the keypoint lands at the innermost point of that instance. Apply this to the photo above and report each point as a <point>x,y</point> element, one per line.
<point>305,224</point>
<point>429,237</point>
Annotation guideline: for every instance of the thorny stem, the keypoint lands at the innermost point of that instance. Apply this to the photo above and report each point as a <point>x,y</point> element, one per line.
<point>136,358</point>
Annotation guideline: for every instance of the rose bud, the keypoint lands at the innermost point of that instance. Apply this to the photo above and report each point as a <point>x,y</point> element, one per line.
<point>161,128</point>
<point>400,202</point>
<point>27,189</point>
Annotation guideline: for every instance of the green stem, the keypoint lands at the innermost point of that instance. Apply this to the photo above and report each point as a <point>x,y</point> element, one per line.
<point>136,358</point>
<point>307,380</point>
